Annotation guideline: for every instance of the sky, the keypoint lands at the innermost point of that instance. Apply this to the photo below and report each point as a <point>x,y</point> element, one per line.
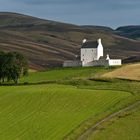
<point>111,13</point>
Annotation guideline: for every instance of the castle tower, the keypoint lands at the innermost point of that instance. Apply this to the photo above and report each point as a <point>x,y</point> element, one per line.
<point>99,49</point>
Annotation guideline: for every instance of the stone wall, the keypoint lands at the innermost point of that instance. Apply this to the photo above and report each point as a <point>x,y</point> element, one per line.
<point>96,63</point>
<point>72,64</point>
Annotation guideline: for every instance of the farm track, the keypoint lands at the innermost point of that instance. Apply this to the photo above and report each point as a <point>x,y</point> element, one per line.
<point>85,135</point>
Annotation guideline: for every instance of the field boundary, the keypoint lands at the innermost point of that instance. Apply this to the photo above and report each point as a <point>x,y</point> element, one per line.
<point>93,128</point>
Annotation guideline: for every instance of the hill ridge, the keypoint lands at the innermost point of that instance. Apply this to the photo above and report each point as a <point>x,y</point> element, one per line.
<point>48,43</point>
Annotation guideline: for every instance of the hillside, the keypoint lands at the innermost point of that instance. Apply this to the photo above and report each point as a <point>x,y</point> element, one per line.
<point>125,125</point>
<point>51,111</point>
<point>131,71</point>
<point>132,32</point>
<point>62,104</point>
<point>48,43</point>
<point>65,107</point>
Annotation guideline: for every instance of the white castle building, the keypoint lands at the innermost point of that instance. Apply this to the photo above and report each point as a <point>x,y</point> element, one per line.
<point>92,54</point>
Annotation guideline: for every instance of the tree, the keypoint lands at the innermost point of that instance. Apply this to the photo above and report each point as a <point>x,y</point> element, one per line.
<point>2,66</point>
<point>12,66</point>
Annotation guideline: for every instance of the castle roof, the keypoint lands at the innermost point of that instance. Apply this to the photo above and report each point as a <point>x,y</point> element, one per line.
<point>90,44</point>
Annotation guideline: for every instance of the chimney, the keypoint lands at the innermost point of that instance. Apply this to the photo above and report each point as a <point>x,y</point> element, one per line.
<point>107,57</point>
<point>84,41</point>
<point>99,41</point>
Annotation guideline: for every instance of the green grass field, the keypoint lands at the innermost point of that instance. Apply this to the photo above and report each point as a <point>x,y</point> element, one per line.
<point>50,111</point>
<point>124,127</point>
<point>77,99</point>
<point>64,74</point>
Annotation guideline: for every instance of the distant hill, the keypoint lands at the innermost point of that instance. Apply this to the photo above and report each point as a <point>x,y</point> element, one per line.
<point>132,32</point>
<point>103,28</point>
<point>48,43</point>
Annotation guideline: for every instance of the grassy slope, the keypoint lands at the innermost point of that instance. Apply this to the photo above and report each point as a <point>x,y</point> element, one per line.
<point>112,85</point>
<point>84,78</point>
<point>64,74</point>
<point>125,126</point>
<point>50,112</point>
<point>48,43</point>
<point>126,72</point>
<point>54,111</point>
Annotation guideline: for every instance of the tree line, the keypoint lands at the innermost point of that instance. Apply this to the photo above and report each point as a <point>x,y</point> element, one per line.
<point>12,66</point>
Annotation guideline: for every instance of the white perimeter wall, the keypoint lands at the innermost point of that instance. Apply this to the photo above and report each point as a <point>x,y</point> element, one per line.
<point>102,62</point>
<point>115,62</point>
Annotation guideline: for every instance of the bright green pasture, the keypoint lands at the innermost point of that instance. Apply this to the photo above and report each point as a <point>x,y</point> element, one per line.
<point>124,127</point>
<point>50,112</point>
<point>63,74</point>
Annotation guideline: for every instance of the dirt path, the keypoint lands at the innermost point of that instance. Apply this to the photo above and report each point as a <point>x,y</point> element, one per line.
<point>85,135</point>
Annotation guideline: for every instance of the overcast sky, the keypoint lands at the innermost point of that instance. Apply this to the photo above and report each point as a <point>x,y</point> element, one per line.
<point>111,13</point>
